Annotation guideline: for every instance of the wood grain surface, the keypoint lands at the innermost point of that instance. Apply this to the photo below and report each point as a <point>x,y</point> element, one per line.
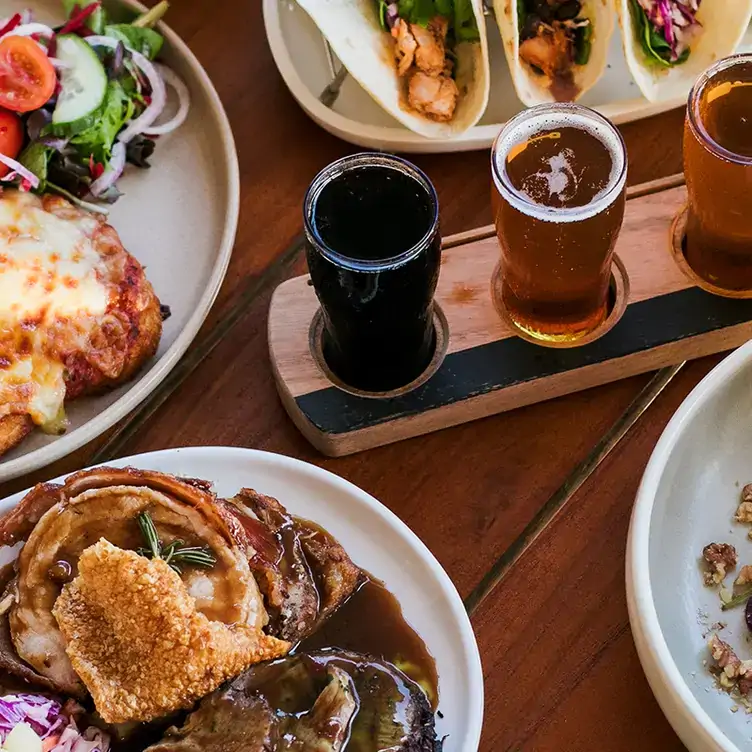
<point>560,667</point>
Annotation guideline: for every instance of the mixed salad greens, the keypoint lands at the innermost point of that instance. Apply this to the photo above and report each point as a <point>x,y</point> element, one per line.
<point>462,24</point>
<point>666,28</point>
<point>33,723</point>
<point>80,101</point>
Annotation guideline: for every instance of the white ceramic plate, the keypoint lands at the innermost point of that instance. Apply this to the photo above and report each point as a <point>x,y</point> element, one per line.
<point>686,500</point>
<point>179,220</point>
<point>378,542</point>
<point>299,52</point>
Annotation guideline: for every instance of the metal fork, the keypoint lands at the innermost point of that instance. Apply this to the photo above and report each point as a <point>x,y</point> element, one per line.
<point>339,74</point>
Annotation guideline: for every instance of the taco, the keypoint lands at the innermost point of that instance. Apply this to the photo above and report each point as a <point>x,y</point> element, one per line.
<point>424,61</point>
<point>669,43</point>
<point>556,49</point>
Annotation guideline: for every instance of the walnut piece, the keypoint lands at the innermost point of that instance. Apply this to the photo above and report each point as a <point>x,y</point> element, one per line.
<point>720,558</point>
<point>732,672</point>
<point>745,575</point>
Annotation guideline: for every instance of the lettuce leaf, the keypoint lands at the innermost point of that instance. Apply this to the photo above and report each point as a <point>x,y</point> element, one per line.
<point>98,138</point>
<point>34,158</point>
<point>465,25</point>
<point>460,13</point>
<point>146,41</point>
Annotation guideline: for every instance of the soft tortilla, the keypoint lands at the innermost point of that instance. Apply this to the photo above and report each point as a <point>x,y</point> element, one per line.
<point>532,87</point>
<point>366,50</point>
<point>724,26</point>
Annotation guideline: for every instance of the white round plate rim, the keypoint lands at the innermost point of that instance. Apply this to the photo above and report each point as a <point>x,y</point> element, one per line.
<point>691,722</point>
<point>168,460</point>
<point>149,379</point>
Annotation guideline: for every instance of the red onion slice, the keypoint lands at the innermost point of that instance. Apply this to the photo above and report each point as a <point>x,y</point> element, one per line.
<point>19,169</point>
<point>26,30</point>
<point>158,92</point>
<point>112,172</point>
<point>184,103</point>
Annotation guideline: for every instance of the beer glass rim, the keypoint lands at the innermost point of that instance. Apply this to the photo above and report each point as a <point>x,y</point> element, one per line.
<point>693,108</point>
<point>367,159</point>
<point>552,213</point>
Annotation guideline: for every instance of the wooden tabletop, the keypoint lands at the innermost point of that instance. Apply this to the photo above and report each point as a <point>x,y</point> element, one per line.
<point>545,591</point>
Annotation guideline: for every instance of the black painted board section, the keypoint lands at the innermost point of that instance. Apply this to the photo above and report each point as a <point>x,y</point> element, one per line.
<point>497,365</point>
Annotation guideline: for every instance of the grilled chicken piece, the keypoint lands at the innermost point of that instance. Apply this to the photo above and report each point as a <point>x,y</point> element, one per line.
<point>404,46</point>
<point>430,56</point>
<point>434,96</point>
<point>550,51</point>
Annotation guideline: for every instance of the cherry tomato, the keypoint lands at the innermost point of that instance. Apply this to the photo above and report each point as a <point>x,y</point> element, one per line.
<point>27,78</point>
<point>11,137</point>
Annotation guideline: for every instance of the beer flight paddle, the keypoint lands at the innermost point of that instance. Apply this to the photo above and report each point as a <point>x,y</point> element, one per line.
<point>580,282</point>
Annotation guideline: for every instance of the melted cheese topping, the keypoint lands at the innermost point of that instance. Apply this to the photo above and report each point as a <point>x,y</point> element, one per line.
<point>50,274</point>
<point>48,266</point>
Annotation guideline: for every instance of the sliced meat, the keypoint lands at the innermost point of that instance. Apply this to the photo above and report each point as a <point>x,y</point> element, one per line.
<point>550,51</point>
<point>9,660</point>
<point>404,46</point>
<point>287,583</point>
<point>337,577</point>
<point>319,699</point>
<point>433,96</point>
<point>227,721</point>
<point>311,575</point>
<point>20,521</point>
<point>326,727</point>
<point>105,504</point>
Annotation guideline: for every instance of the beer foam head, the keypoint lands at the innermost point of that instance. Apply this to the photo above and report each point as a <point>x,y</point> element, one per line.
<point>560,178</point>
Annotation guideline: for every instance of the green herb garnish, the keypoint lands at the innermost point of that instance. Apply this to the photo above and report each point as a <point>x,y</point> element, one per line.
<point>175,553</point>
<point>737,600</point>
<point>462,22</point>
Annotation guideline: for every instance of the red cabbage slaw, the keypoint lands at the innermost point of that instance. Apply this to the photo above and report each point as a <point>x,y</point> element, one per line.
<point>51,723</point>
<point>675,23</point>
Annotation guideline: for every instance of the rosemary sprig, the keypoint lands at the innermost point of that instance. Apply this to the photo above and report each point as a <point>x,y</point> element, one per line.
<point>174,553</point>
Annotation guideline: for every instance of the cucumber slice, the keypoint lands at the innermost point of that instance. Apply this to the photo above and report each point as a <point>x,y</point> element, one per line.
<point>83,83</point>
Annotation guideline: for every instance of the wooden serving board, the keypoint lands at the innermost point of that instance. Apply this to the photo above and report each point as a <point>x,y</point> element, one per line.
<point>487,368</point>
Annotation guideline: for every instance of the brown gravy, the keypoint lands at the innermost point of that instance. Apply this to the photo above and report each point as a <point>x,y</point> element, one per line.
<point>372,622</point>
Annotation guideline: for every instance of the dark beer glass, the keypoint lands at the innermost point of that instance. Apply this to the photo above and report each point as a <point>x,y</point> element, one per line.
<point>718,170</point>
<point>374,249</point>
<point>559,175</point>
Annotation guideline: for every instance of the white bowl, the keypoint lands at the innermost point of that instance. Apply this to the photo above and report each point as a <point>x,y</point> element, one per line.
<point>687,499</point>
<point>377,540</point>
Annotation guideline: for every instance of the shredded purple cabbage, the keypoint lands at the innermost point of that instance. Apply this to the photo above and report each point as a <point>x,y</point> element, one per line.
<point>47,719</point>
<point>675,20</point>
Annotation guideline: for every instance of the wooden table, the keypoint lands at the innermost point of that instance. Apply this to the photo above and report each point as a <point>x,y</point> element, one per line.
<point>560,667</point>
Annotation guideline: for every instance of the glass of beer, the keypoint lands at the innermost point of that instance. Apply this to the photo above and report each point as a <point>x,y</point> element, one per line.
<point>559,176</point>
<point>374,250</point>
<point>718,170</point>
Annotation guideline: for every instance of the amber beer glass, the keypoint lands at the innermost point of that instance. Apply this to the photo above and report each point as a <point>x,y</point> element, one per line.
<point>718,170</point>
<point>559,175</point>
